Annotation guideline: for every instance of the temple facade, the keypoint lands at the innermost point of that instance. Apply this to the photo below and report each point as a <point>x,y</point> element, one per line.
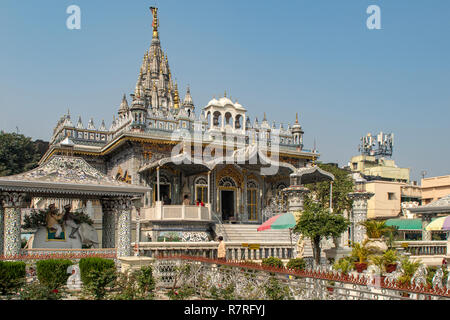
<point>153,122</point>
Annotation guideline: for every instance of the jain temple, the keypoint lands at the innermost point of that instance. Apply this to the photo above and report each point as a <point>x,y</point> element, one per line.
<point>218,155</point>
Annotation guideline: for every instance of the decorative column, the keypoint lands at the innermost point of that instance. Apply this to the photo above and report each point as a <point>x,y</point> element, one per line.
<point>12,203</point>
<point>124,227</point>
<point>109,224</point>
<point>296,196</point>
<point>359,214</point>
<point>244,217</point>
<point>158,198</point>
<point>426,219</point>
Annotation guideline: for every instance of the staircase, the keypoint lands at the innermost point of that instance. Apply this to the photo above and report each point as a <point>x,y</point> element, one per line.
<point>247,233</point>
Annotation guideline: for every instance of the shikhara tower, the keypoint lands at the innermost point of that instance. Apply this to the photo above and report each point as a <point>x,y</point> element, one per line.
<point>137,146</point>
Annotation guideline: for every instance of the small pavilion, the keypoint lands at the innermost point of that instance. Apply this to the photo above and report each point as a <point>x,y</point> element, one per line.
<point>67,177</point>
<point>438,208</point>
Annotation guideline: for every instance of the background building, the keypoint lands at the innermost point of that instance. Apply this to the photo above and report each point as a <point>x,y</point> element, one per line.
<point>434,188</point>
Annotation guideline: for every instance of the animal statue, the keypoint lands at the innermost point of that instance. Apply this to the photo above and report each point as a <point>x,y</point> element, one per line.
<point>70,235</point>
<point>74,280</point>
<point>392,277</point>
<point>420,277</point>
<point>437,279</point>
<point>372,270</point>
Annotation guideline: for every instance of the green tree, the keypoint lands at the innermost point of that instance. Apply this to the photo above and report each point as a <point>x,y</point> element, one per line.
<point>17,154</point>
<point>342,186</point>
<point>317,223</point>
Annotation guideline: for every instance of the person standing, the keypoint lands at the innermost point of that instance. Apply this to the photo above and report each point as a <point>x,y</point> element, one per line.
<point>186,200</point>
<point>221,250</point>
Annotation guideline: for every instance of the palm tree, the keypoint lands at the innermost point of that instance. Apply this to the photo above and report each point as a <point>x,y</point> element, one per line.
<point>375,229</point>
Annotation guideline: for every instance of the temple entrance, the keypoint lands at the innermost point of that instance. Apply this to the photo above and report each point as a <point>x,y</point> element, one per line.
<point>227,204</point>
<point>165,194</point>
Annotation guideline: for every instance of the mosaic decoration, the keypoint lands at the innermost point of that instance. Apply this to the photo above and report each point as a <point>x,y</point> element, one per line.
<point>124,228</point>
<point>11,203</point>
<point>195,237</point>
<point>2,223</point>
<point>12,242</point>
<point>66,170</point>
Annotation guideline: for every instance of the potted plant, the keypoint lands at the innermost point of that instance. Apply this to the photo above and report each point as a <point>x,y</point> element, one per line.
<point>390,260</point>
<point>361,253</point>
<point>375,231</point>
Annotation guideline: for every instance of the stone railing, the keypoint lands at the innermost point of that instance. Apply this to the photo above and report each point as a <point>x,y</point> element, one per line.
<point>176,213</point>
<point>235,250</point>
<point>72,254</point>
<point>423,248</point>
<point>250,281</point>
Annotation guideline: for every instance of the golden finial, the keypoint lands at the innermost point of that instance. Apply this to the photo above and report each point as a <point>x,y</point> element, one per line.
<point>155,23</point>
<point>225,94</point>
<point>296,118</point>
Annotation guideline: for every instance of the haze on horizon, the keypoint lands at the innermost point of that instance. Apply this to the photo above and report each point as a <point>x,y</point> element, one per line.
<point>315,58</point>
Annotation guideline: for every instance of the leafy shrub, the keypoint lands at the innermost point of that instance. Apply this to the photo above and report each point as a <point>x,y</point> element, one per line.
<point>344,265</point>
<point>276,290</point>
<point>98,282</point>
<point>87,265</point>
<point>409,268</point>
<point>53,273</point>
<point>227,293</point>
<point>38,291</point>
<point>136,285</point>
<point>182,293</point>
<point>272,262</point>
<point>146,281</point>
<point>297,264</point>
<point>12,275</point>
<point>390,257</point>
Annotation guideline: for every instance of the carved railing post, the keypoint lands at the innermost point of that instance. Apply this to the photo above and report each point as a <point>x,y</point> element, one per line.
<point>109,208</point>
<point>124,227</point>
<point>12,202</point>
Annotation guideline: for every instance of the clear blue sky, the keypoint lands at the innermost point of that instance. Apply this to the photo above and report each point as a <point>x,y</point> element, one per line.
<point>279,57</point>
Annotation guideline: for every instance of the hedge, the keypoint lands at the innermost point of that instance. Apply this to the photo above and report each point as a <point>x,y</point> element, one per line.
<point>90,264</point>
<point>272,262</point>
<point>296,264</point>
<point>52,273</point>
<point>11,275</point>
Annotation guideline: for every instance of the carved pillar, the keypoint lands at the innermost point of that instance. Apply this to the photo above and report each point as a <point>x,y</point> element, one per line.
<point>426,219</point>
<point>108,224</point>
<point>124,227</point>
<point>12,203</point>
<point>295,197</point>
<point>244,216</point>
<point>359,214</point>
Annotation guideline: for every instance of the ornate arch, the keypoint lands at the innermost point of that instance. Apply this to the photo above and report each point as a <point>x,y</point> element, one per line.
<point>227,182</point>
<point>230,171</point>
<point>201,180</point>
<point>252,184</point>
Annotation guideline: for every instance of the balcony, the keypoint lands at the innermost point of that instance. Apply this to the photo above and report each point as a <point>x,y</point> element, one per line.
<point>161,212</point>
